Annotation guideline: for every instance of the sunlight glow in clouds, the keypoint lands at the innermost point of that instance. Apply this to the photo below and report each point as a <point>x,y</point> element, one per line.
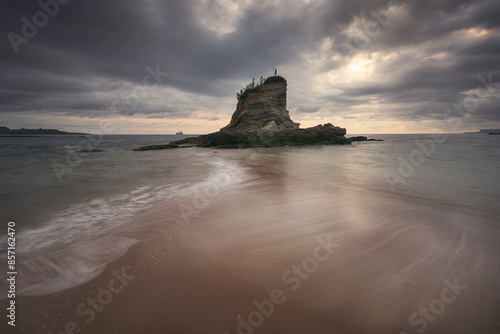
<point>409,61</point>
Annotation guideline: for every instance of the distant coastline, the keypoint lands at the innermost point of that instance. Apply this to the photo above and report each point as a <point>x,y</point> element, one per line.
<point>6,132</point>
<point>486,131</point>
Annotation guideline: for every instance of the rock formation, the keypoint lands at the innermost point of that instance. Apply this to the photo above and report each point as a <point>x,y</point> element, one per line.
<point>363,138</point>
<point>261,120</point>
<point>264,108</point>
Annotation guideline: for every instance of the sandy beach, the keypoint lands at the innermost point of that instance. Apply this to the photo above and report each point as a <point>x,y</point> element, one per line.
<point>276,255</point>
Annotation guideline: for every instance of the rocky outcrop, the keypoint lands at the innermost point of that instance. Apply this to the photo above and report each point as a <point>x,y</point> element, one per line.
<point>156,147</point>
<point>319,135</point>
<point>265,107</point>
<point>363,138</point>
<point>261,120</point>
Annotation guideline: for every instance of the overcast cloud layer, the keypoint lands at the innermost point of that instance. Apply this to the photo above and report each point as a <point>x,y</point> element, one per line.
<point>159,66</point>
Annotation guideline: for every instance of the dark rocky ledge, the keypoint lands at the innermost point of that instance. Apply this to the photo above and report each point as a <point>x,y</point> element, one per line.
<point>363,138</point>
<point>319,135</point>
<point>156,147</point>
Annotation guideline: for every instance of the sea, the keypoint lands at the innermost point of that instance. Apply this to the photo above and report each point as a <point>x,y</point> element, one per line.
<point>80,202</point>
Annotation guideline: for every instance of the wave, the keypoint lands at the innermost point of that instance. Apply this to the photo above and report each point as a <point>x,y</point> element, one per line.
<point>75,245</point>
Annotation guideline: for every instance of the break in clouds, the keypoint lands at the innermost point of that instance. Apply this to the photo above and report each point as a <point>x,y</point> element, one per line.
<point>371,66</point>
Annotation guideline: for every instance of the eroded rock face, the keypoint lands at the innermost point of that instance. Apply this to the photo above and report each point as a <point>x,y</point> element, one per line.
<point>261,120</point>
<point>258,109</point>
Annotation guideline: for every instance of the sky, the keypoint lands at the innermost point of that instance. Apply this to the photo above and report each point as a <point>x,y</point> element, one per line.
<point>160,66</point>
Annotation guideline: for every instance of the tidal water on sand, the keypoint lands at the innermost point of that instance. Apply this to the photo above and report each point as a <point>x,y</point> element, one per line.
<point>397,236</point>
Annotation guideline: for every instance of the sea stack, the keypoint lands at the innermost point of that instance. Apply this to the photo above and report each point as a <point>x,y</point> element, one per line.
<point>263,107</point>
<point>262,120</point>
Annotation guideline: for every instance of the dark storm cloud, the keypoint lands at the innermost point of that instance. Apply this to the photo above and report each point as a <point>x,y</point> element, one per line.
<point>118,40</point>
<point>90,54</point>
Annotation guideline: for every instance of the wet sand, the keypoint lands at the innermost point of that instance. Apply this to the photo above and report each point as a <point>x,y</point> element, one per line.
<point>277,255</point>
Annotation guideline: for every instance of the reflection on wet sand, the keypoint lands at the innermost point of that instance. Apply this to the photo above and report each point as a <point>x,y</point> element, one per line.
<point>284,242</point>
<point>395,257</point>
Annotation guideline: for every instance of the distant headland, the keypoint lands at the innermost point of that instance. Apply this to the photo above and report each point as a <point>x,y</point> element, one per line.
<point>261,120</point>
<point>6,132</point>
<point>486,131</point>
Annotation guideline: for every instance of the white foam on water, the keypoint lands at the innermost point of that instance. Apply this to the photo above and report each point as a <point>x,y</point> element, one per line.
<point>76,244</point>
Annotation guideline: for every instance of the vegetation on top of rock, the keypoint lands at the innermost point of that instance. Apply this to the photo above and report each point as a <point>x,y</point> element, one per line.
<point>243,94</point>
<point>274,79</point>
<point>252,87</point>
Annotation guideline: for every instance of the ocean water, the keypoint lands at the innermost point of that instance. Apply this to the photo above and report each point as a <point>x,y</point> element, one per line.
<point>76,211</point>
